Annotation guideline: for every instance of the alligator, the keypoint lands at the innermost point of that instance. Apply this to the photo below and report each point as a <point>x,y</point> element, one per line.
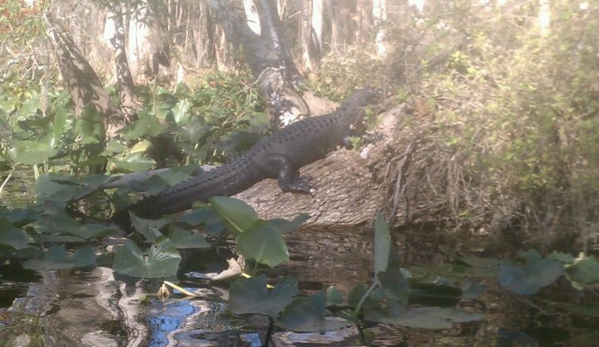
<point>279,156</point>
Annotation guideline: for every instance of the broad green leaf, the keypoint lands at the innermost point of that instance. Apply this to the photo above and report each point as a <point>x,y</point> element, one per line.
<point>162,261</point>
<point>31,152</point>
<point>382,244</point>
<point>29,107</point>
<point>134,162</point>
<point>585,270</point>
<point>56,258</point>
<point>264,244</point>
<point>60,123</point>
<point>113,146</point>
<point>357,294</point>
<point>239,216</point>
<point>251,296</point>
<point>91,125</point>
<point>149,228</point>
<point>529,279</point>
<point>61,224</point>
<point>334,297</point>
<point>426,317</point>
<point>147,125</point>
<point>187,239</point>
<point>53,187</point>
<point>561,257</point>
<point>11,236</point>
<point>394,285</point>
<point>308,315</point>
<point>181,111</point>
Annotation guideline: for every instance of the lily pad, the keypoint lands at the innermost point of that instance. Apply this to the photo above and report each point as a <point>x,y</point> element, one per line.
<point>162,260</point>
<point>134,162</point>
<point>31,152</point>
<point>11,236</point>
<point>585,270</point>
<point>187,239</point>
<point>238,216</point>
<point>427,317</point>
<point>252,296</point>
<point>308,315</point>
<point>530,278</point>
<point>56,258</point>
<point>264,244</point>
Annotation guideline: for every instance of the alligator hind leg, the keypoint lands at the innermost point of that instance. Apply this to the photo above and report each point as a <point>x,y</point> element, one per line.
<point>289,179</point>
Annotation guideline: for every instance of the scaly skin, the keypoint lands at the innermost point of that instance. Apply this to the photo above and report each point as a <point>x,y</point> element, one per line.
<point>279,156</point>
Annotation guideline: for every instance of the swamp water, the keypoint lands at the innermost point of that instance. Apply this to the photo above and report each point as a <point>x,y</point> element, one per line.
<point>97,307</point>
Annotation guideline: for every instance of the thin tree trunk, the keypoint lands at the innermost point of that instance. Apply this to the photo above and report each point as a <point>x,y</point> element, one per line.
<point>379,13</point>
<point>129,103</point>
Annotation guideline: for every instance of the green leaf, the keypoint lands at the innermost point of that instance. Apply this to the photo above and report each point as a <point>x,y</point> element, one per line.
<point>426,317</point>
<point>239,216</point>
<point>251,296</point>
<point>181,111</point>
<point>584,271</point>
<point>149,228</point>
<point>60,123</point>
<point>134,162</point>
<point>62,188</point>
<point>56,258</point>
<point>334,297</point>
<point>11,236</point>
<point>29,107</point>
<point>162,261</point>
<point>527,280</point>
<point>394,285</point>
<point>561,257</point>
<point>31,152</point>
<point>357,294</point>
<point>264,244</point>
<point>147,125</point>
<point>187,239</point>
<point>382,244</point>
<point>308,315</point>
<point>61,224</point>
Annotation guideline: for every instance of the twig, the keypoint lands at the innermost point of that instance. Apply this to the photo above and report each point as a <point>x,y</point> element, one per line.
<point>7,178</point>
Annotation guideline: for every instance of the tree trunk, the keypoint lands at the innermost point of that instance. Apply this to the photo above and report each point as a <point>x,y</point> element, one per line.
<point>146,45</point>
<point>129,103</point>
<point>339,14</point>
<point>267,55</point>
<point>86,89</point>
<point>311,33</point>
<point>379,13</point>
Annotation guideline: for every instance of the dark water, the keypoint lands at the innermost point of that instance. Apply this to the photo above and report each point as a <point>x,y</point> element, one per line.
<point>98,308</point>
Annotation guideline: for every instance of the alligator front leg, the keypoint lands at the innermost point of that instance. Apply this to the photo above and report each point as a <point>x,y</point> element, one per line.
<point>288,177</point>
